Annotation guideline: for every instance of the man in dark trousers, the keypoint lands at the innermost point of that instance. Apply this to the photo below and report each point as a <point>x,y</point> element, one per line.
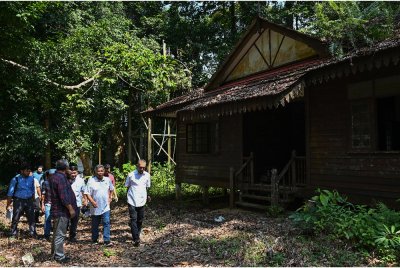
<point>63,208</point>
<point>22,193</point>
<point>137,182</point>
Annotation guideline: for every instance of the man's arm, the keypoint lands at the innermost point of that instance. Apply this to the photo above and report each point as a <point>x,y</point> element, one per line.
<point>91,200</point>
<point>9,201</point>
<point>10,193</point>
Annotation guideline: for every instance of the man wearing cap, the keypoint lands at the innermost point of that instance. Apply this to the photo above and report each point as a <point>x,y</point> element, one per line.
<point>63,208</point>
<point>22,193</point>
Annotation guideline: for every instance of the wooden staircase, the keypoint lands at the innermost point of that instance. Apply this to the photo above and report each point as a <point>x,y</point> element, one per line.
<point>279,189</point>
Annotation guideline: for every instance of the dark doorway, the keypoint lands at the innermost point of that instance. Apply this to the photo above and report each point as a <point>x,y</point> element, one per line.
<point>272,135</point>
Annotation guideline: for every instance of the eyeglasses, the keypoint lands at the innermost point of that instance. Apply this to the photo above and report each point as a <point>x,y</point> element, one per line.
<point>141,167</point>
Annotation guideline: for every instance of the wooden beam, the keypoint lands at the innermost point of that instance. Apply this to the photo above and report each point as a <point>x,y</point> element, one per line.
<point>162,149</point>
<point>206,200</point>
<point>149,145</point>
<point>178,191</point>
<point>169,139</point>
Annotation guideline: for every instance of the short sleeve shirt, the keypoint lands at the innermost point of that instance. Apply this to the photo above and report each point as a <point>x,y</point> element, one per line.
<point>25,188</point>
<point>36,183</point>
<point>138,184</point>
<point>112,179</point>
<point>99,191</point>
<point>78,186</point>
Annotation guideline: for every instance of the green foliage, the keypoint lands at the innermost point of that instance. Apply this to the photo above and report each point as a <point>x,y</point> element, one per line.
<point>108,252</point>
<point>371,228</point>
<point>162,180</point>
<point>222,247</point>
<point>350,24</point>
<point>255,254</point>
<point>120,178</point>
<point>275,211</point>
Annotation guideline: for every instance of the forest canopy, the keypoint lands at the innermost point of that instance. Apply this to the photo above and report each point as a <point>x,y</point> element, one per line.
<point>70,70</point>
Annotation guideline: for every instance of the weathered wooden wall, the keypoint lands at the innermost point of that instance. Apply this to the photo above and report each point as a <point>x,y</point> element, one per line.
<point>211,169</point>
<point>363,176</point>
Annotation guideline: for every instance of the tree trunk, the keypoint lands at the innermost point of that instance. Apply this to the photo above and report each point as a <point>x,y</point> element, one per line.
<point>86,163</point>
<point>47,161</point>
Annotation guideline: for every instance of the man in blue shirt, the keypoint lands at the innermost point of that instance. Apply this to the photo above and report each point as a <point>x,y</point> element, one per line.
<point>38,174</point>
<point>22,193</point>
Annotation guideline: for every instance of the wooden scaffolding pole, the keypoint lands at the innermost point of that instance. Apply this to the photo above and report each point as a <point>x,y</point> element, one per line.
<point>149,143</point>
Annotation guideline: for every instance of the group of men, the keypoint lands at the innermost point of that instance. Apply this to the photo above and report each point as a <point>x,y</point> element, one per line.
<point>62,193</point>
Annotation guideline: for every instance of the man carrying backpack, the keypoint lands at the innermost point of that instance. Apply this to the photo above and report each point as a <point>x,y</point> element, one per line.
<point>22,193</point>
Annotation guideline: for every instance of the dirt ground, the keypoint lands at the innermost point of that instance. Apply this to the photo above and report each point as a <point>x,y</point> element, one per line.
<point>176,234</point>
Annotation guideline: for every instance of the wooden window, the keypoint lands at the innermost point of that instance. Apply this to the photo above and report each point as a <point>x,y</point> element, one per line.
<point>388,122</point>
<point>361,125</point>
<point>198,138</point>
<point>375,114</point>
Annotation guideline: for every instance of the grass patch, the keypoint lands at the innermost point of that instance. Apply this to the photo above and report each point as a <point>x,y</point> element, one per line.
<point>3,259</point>
<point>108,252</point>
<point>255,254</point>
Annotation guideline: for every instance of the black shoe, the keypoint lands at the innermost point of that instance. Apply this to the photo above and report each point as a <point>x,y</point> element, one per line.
<point>72,240</point>
<point>94,242</point>
<point>136,243</point>
<point>108,243</point>
<point>63,260</point>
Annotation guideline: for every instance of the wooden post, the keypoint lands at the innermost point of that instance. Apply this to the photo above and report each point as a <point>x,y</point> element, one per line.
<point>178,190</point>
<point>231,188</point>
<point>205,195</point>
<point>169,139</point>
<point>293,177</point>
<point>251,168</point>
<point>149,147</point>
<point>274,188</point>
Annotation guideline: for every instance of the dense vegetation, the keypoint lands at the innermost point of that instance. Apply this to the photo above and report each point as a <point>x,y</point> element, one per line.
<point>374,230</point>
<point>70,70</point>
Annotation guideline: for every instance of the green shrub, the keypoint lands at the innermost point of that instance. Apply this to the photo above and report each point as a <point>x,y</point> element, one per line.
<point>162,182</point>
<point>162,179</point>
<point>120,178</point>
<point>370,228</point>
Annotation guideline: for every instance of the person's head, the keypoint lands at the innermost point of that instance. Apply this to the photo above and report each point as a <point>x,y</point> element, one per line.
<point>62,165</point>
<point>99,171</point>
<point>107,168</point>
<point>74,171</point>
<point>25,169</point>
<point>141,166</point>
<point>40,169</point>
<point>50,172</point>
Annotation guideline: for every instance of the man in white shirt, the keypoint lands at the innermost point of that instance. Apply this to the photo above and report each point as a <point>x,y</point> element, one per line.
<point>78,187</point>
<point>99,191</point>
<point>137,182</point>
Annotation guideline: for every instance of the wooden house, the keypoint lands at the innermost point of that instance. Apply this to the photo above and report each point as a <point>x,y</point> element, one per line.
<point>282,114</point>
